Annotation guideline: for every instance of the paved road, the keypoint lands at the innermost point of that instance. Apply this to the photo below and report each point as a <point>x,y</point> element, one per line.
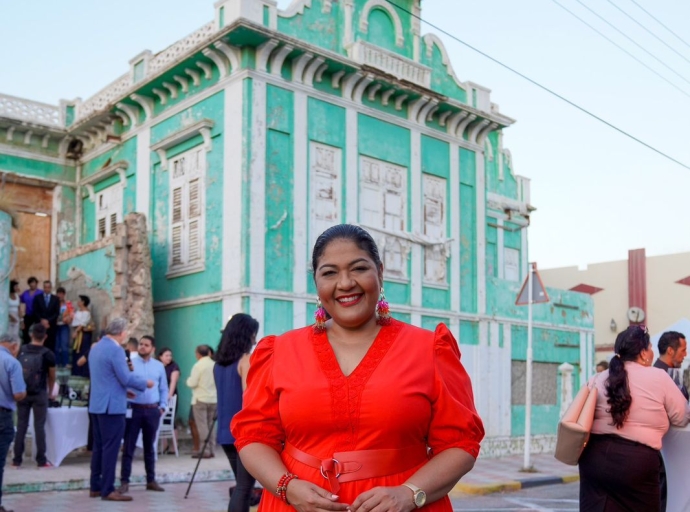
<point>552,498</point>
<point>213,496</point>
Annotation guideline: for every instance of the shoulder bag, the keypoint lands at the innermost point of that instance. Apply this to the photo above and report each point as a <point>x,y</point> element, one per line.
<point>575,426</point>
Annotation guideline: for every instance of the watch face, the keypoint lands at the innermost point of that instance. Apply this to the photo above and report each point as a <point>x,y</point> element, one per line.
<point>419,498</point>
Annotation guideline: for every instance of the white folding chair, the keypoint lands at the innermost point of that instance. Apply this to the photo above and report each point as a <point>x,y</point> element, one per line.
<point>166,428</point>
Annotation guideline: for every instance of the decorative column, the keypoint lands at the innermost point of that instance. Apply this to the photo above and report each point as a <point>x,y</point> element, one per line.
<point>566,375</point>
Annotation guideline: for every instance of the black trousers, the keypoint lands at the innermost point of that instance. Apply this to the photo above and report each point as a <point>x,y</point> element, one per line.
<point>239,496</point>
<point>145,421</point>
<point>39,404</point>
<point>617,475</point>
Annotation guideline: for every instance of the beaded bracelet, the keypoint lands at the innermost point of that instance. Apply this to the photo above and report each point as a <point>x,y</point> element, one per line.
<point>281,489</point>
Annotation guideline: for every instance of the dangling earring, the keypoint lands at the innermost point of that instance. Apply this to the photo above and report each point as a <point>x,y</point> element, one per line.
<point>383,312</point>
<point>320,317</point>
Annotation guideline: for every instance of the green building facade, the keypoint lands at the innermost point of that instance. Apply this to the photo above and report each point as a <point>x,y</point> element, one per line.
<point>246,139</point>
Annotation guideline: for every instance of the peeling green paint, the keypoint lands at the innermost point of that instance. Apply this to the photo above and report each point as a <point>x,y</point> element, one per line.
<point>277,316</point>
<point>37,168</point>
<point>431,322</point>
<point>182,330</point>
<point>164,288</point>
<point>435,298</point>
<point>96,266</point>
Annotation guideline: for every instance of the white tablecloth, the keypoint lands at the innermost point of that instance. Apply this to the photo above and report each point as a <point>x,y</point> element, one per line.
<point>676,452</point>
<point>67,428</point>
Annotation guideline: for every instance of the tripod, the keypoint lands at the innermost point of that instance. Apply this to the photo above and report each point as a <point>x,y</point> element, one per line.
<point>201,453</point>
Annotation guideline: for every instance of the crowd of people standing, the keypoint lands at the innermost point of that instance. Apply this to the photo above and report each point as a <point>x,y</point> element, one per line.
<point>69,329</point>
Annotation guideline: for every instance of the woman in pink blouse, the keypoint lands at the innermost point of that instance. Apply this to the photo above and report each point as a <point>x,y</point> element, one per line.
<point>619,468</point>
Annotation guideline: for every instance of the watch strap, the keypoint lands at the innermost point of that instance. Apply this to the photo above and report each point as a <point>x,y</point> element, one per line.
<point>412,487</point>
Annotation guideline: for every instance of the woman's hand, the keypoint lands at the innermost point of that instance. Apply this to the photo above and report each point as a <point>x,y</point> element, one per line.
<point>308,497</point>
<point>384,499</point>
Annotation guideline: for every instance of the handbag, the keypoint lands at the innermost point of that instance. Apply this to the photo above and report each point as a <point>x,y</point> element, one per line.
<point>575,426</point>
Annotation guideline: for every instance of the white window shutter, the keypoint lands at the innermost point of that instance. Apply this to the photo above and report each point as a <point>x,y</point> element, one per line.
<point>177,205</point>
<point>194,226</point>
<point>194,199</point>
<point>176,245</point>
<point>187,211</point>
<point>511,264</point>
<point>325,193</point>
<point>101,228</point>
<point>194,244</point>
<point>113,223</point>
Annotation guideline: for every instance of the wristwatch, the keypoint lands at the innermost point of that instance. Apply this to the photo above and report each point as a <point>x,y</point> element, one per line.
<point>418,496</point>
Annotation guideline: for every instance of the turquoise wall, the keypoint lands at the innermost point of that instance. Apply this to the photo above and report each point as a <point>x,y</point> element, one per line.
<point>277,316</point>
<point>97,266</point>
<point>127,152</point>
<point>468,232</point>
<point>208,281</point>
<point>326,125</point>
<point>505,185</point>
<point>182,330</point>
<point>278,256</point>
<point>315,28</point>
<point>548,347</point>
<point>37,169</point>
<point>380,22</point>
<point>441,81</point>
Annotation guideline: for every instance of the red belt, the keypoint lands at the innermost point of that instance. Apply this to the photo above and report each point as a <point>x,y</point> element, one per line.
<point>361,464</point>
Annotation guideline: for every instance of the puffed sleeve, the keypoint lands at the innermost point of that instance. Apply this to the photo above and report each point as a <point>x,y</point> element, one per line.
<point>259,419</point>
<point>454,419</point>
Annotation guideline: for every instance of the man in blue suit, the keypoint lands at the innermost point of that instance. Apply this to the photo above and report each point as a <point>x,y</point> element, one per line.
<point>110,378</point>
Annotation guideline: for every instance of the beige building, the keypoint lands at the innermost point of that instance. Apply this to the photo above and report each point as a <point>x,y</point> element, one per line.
<point>654,291</point>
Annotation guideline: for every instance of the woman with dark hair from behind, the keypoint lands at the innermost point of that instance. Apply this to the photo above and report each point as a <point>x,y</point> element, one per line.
<point>230,373</point>
<point>619,468</point>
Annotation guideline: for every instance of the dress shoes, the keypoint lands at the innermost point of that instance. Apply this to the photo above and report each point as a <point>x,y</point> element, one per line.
<point>153,486</point>
<point>124,488</point>
<point>94,494</point>
<point>116,496</point>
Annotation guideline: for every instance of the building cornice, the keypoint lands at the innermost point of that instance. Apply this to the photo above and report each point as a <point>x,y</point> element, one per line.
<point>6,149</point>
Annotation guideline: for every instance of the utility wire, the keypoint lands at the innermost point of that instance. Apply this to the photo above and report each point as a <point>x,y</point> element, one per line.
<point>540,86</point>
<point>627,37</point>
<point>652,33</point>
<point>660,23</point>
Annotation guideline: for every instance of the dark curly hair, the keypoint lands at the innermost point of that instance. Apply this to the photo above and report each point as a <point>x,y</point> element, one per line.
<point>629,344</point>
<point>237,339</point>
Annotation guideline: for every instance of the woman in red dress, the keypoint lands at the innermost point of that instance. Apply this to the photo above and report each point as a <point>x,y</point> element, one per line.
<point>359,412</point>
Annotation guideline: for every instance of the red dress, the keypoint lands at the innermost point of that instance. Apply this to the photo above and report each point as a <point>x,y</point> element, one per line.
<point>409,389</point>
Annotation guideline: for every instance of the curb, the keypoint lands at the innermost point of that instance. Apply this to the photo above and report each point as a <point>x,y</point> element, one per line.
<point>84,484</point>
<point>511,485</point>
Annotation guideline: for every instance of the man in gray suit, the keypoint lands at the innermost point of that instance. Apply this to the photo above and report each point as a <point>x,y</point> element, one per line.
<point>110,379</point>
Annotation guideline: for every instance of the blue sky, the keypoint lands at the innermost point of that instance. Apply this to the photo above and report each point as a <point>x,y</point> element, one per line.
<point>597,193</point>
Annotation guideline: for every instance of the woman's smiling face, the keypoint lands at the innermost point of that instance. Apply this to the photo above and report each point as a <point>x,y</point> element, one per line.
<point>348,283</point>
